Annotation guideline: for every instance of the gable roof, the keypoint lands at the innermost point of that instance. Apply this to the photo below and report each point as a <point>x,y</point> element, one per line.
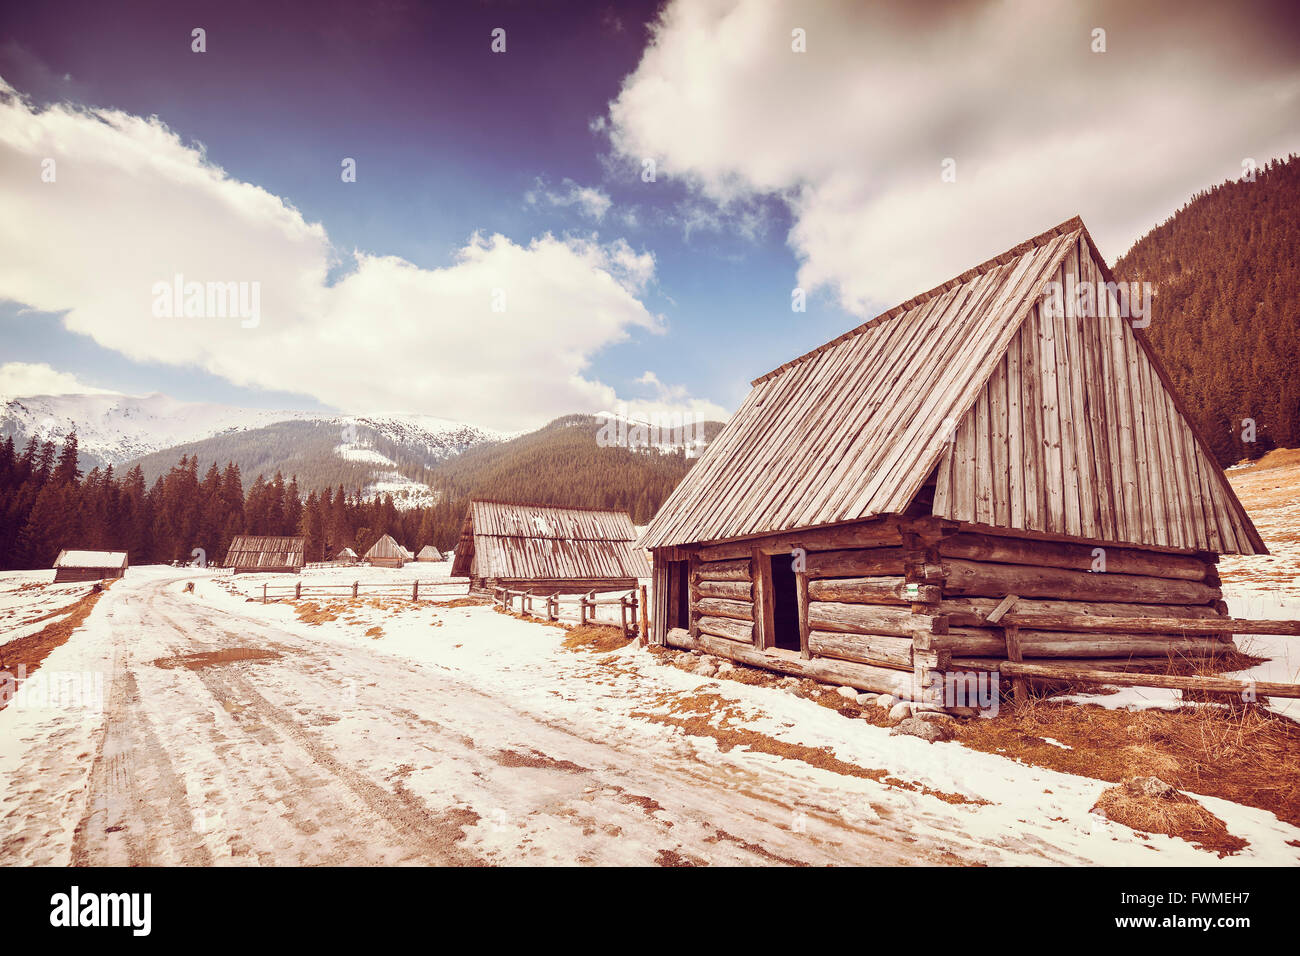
<point>522,541</point>
<point>430,553</point>
<point>265,551</point>
<point>91,559</point>
<point>854,428</point>
<point>387,547</point>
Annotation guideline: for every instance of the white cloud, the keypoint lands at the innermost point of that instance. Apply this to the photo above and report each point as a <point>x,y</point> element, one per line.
<point>21,379</point>
<point>668,399</point>
<point>132,206</point>
<point>851,133</point>
<point>588,200</point>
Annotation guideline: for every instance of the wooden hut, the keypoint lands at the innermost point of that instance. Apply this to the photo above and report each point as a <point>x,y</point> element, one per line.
<point>89,565</point>
<point>346,556</point>
<point>387,553</point>
<point>429,553</point>
<point>250,553</point>
<point>880,510</point>
<point>546,549</point>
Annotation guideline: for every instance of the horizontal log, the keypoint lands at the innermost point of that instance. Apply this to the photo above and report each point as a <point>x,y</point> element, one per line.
<point>868,619</point>
<point>1226,685</point>
<point>864,648</point>
<point>888,589</point>
<point>726,627</point>
<point>856,563</point>
<point>984,642</point>
<point>972,610</point>
<point>1151,625</point>
<point>731,590</point>
<point>1078,557</point>
<point>873,533</point>
<point>716,607</point>
<point>863,677</point>
<point>1136,664</point>
<point>723,571</point>
<point>973,578</point>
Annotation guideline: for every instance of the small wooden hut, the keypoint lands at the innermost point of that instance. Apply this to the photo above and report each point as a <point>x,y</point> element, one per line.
<point>547,549</point>
<point>387,553</point>
<point>346,556</point>
<point>429,553</point>
<point>996,446</point>
<point>89,565</point>
<point>249,553</point>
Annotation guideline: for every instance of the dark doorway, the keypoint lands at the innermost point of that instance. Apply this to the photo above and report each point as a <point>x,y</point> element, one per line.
<point>785,603</point>
<point>679,590</point>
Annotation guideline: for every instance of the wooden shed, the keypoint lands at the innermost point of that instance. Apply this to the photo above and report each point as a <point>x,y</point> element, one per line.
<point>265,554</point>
<point>547,549</point>
<point>999,445</point>
<point>89,565</point>
<point>387,553</point>
<point>429,553</point>
<point>346,556</point>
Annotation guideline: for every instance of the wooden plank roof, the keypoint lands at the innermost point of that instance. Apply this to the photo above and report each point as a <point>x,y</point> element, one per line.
<point>387,547</point>
<point>265,551</point>
<point>511,540</point>
<point>854,428</point>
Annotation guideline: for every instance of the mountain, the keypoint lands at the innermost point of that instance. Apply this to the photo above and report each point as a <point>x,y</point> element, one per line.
<point>1226,313</point>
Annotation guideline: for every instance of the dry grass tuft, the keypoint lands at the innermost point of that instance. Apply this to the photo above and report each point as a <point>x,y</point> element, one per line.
<point>1140,805</point>
<point>599,638</point>
<point>1249,756</point>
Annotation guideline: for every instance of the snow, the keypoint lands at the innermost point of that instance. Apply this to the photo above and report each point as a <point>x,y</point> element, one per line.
<point>467,735</point>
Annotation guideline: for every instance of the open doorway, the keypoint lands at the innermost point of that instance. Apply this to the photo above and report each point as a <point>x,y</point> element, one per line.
<point>785,604</point>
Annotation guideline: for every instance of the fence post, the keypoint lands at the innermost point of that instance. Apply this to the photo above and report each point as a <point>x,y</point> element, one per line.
<point>263,593</point>
<point>297,590</point>
<point>354,590</point>
<point>622,613</point>
<point>552,607</point>
<point>415,591</point>
<point>642,608</point>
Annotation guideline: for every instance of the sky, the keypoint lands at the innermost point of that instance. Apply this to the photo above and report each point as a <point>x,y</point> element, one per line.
<point>604,205</point>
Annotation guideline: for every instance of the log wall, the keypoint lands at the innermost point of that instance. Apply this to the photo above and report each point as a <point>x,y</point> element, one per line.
<point>914,599</point>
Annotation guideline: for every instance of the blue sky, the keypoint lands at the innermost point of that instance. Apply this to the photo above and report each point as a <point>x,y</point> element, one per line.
<point>778,168</point>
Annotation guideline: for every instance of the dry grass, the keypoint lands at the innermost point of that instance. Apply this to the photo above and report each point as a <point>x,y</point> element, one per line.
<point>375,632</point>
<point>30,652</point>
<point>1173,813</point>
<point>1249,756</point>
<point>598,638</point>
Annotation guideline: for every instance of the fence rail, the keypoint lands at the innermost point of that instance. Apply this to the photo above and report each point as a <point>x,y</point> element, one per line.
<point>588,605</point>
<point>430,590</point>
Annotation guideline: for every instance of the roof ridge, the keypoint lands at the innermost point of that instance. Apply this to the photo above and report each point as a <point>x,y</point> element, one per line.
<point>538,504</point>
<point>1073,224</point>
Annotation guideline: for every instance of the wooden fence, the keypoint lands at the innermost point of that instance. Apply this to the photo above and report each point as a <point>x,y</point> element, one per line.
<point>414,590</point>
<point>631,620</point>
<point>1017,669</point>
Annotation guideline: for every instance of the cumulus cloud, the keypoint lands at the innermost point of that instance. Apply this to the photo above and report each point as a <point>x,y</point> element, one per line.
<point>665,400</point>
<point>503,335</point>
<point>852,133</point>
<point>587,200</point>
<point>19,379</point>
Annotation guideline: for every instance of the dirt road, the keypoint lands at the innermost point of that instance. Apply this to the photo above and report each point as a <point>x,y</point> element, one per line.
<point>228,740</point>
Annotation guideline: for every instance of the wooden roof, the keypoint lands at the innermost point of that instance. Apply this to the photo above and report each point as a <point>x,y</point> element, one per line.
<point>521,541</point>
<point>854,428</point>
<point>386,547</point>
<point>91,559</point>
<point>430,553</point>
<point>263,551</point>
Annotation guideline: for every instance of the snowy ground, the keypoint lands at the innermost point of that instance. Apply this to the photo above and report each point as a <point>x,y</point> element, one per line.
<point>234,732</point>
<point>31,601</point>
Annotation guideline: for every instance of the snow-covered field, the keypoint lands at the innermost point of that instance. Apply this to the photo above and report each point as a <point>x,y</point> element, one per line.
<point>30,601</point>
<point>236,732</point>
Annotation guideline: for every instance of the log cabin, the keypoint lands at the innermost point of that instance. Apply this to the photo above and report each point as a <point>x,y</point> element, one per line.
<point>547,549</point>
<point>267,554</point>
<point>989,448</point>
<point>72,565</point>
<point>387,553</point>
